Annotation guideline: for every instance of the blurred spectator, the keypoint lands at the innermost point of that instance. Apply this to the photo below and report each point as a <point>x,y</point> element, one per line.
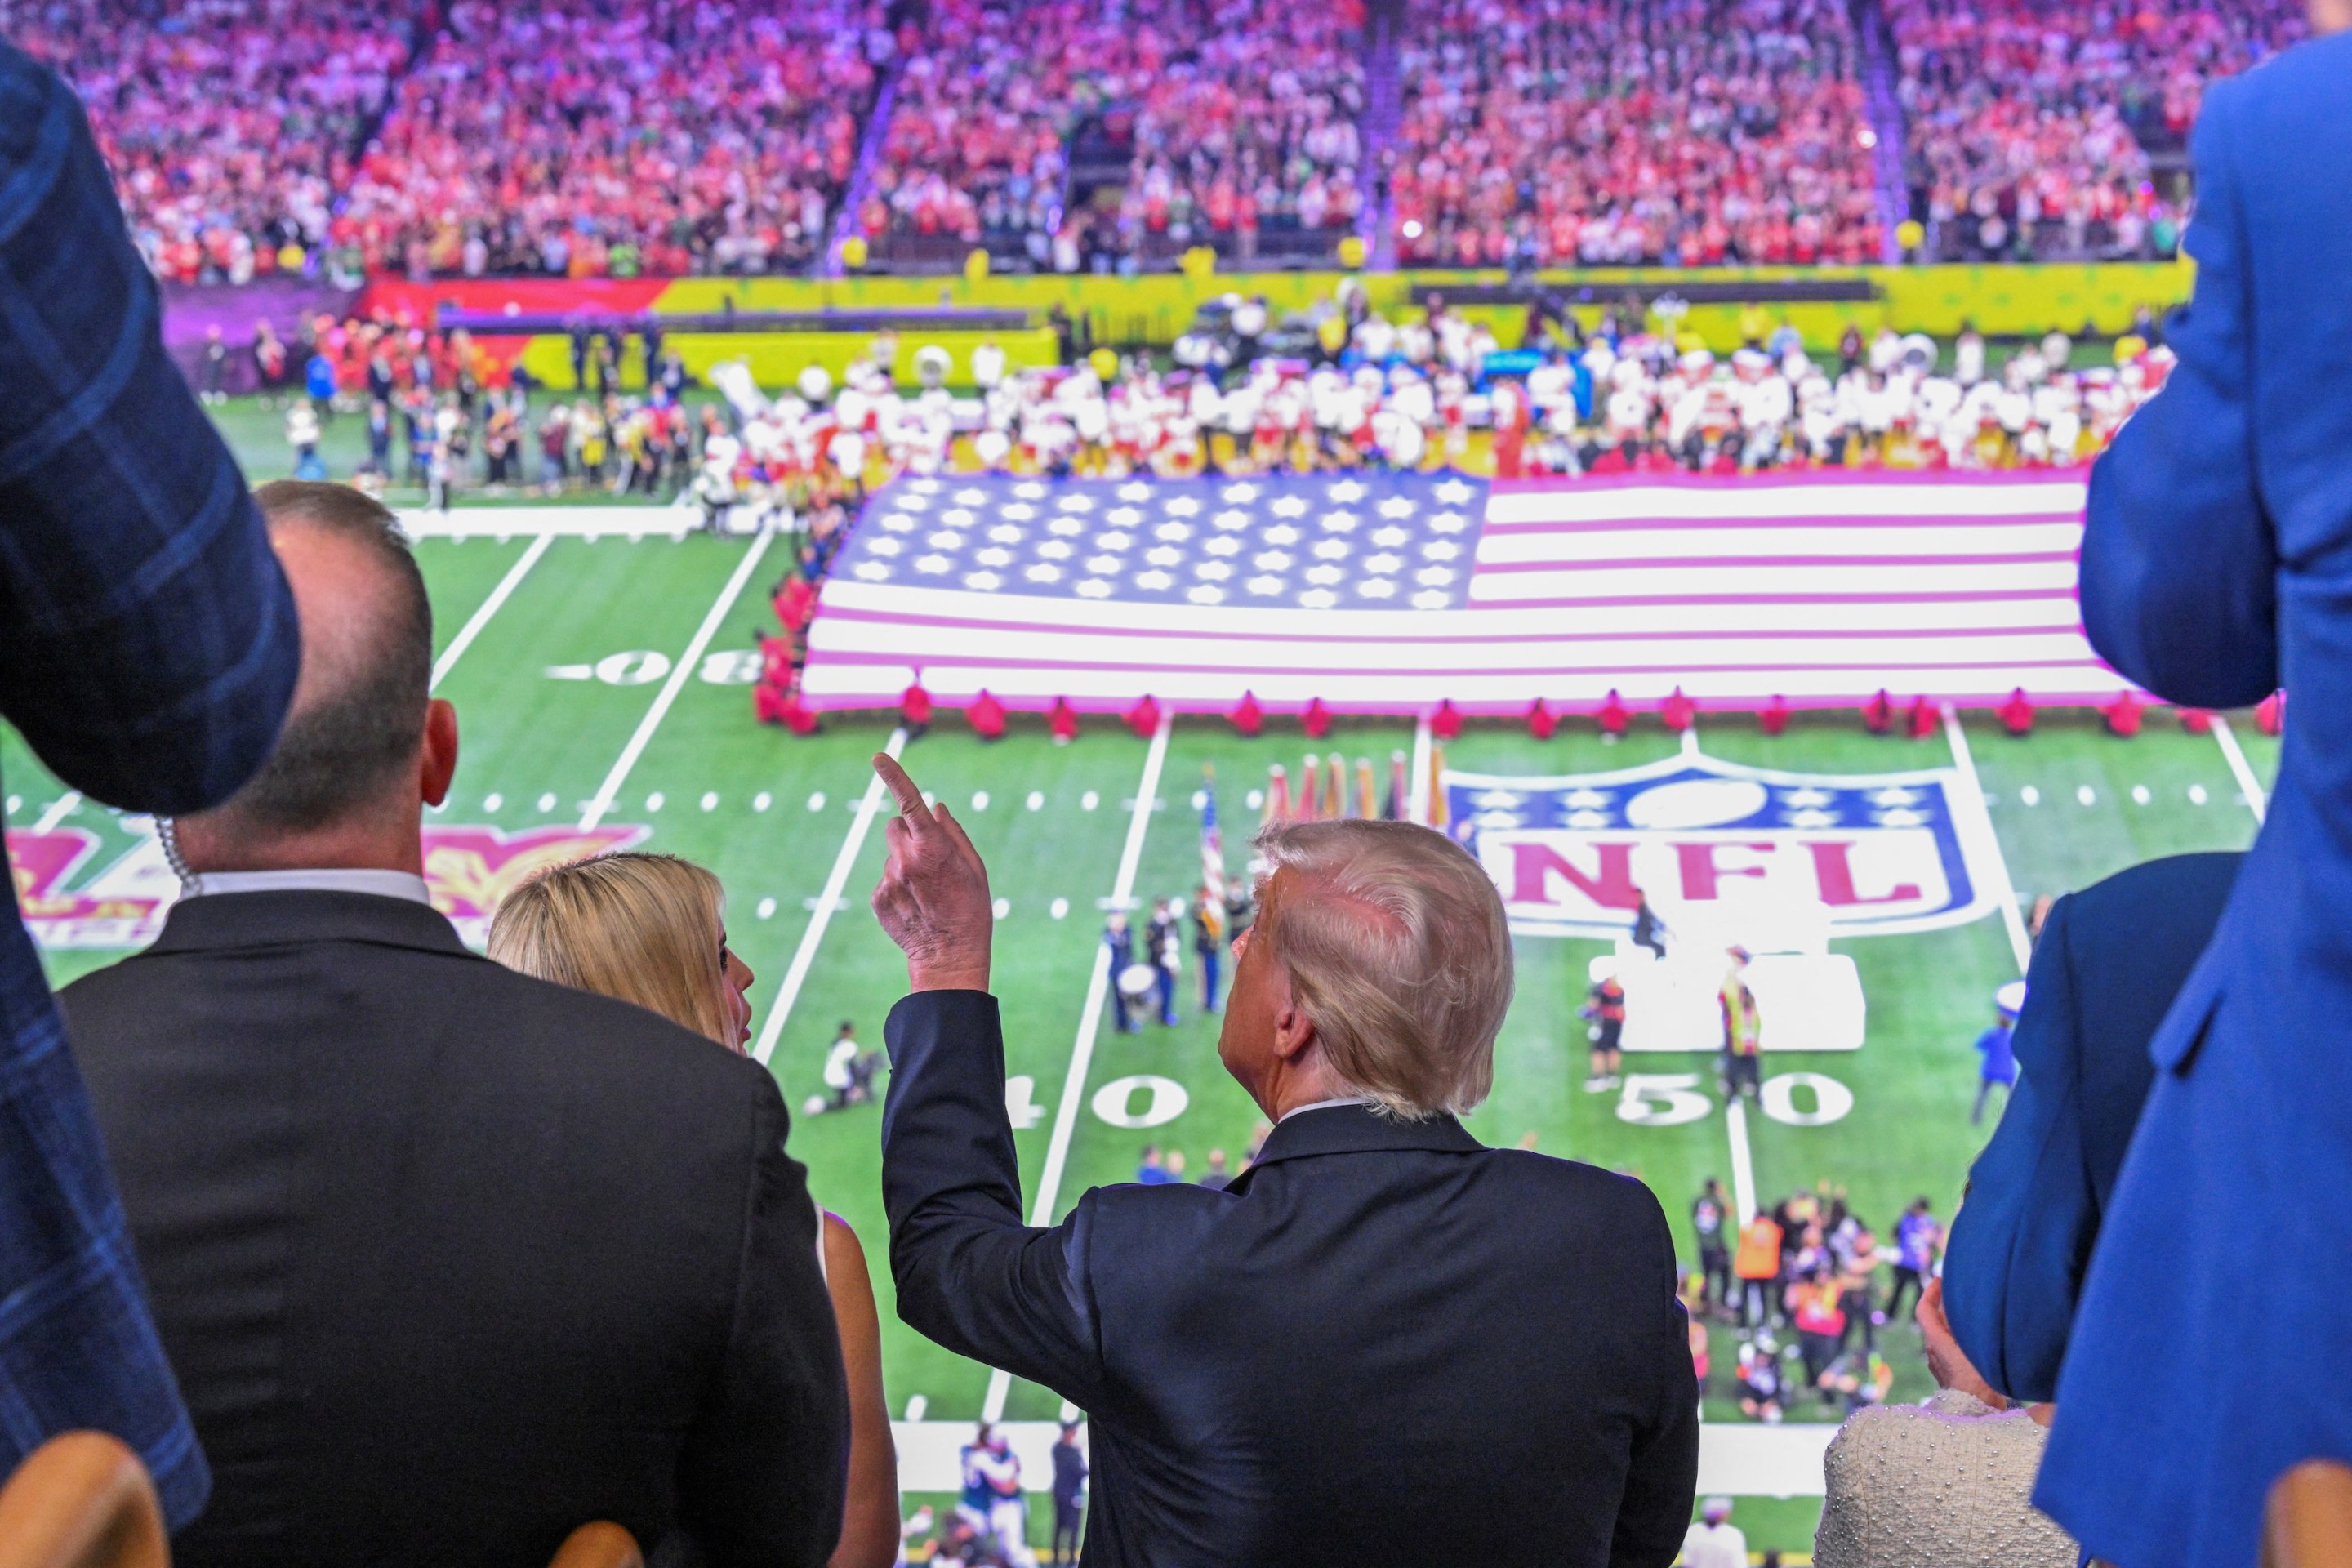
<point>150,650</point>
<point>488,1312</point>
<point>2110,961</point>
<point>1944,1482</point>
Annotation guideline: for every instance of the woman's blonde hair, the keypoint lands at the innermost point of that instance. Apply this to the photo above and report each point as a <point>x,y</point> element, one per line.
<point>648,929</point>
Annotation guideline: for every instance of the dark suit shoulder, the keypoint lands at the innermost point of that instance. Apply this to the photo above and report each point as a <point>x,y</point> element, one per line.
<point>513,1026</point>
<point>2191,888</point>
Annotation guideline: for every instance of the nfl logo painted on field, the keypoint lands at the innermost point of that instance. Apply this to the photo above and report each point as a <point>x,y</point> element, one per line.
<point>1748,851</point>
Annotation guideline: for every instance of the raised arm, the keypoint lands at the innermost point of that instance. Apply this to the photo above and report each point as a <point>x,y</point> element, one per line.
<point>2178,558</point>
<point>147,639</point>
<point>969,1274</point>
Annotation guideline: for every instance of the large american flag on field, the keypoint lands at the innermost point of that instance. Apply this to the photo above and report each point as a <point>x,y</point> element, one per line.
<point>1391,592</point>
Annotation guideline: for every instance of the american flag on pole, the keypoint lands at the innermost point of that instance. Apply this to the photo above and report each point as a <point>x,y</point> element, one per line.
<point>1392,592</point>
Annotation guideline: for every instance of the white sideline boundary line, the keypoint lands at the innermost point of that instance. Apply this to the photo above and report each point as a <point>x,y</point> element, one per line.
<point>1736,1458</point>
<point>2258,800</point>
<point>65,806</point>
<point>821,917</point>
<point>1417,797</point>
<point>720,609</point>
<point>1975,819</point>
<point>1082,1051</point>
<point>488,607</point>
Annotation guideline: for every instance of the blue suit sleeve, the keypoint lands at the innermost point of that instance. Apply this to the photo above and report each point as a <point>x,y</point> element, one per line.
<point>969,1275</point>
<point>2179,560</point>
<point>2014,1261</point>
<point>148,644</point>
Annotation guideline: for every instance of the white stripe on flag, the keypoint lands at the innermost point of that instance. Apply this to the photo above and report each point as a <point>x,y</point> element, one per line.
<point>1633,505</point>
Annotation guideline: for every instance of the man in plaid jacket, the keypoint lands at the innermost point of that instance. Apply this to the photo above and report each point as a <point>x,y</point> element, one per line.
<point>148,649</point>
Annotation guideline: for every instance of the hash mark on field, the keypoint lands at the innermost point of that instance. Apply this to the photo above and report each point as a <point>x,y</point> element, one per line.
<point>65,806</point>
<point>492,800</point>
<point>796,975</point>
<point>767,909</point>
<point>547,801</point>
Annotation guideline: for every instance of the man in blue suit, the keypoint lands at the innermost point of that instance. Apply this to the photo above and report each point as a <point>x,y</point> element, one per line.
<point>2217,565</point>
<point>2110,961</point>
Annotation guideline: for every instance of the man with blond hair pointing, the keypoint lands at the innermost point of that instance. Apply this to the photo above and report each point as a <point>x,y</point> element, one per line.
<point>1384,1343</point>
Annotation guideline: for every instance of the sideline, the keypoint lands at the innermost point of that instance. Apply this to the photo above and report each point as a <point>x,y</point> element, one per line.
<point>822,916</point>
<point>1736,1458</point>
<point>488,607</point>
<point>1082,1051</point>
<point>2258,800</point>
<point>679,676</point>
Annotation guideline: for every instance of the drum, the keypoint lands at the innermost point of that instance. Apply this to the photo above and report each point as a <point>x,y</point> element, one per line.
<point>1137,980</point>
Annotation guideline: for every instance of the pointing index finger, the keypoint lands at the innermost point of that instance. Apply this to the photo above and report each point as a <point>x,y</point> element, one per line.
<point>894,778</point>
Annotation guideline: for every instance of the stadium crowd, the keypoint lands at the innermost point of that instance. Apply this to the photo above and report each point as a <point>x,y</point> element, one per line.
<point>358,1239</point>
<point>231,129</point>
<point>2030,123</point>
<point>590,140</point>
<point>667,137</point>
<point>1692,132</point>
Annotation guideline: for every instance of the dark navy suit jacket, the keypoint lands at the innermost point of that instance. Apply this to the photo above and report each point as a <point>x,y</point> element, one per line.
<point>2111,959</point>
<point>2217,564</point>
<point>1384,1343</point>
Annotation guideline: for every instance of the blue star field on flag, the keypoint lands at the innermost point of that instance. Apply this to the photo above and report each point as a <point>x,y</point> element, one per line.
<point>1316,541</point>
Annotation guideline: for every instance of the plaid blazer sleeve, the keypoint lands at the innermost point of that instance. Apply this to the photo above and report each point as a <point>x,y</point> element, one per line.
<point>147,651</point>
<point>147,641</point>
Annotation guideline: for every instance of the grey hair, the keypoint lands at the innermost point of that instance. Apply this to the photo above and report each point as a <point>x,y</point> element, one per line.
<point>1397,949</point>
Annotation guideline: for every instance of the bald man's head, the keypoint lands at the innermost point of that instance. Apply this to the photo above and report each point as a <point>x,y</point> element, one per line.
<point>353,737</point>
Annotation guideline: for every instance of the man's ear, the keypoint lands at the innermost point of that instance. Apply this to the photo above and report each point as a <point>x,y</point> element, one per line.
<point>439,763</point>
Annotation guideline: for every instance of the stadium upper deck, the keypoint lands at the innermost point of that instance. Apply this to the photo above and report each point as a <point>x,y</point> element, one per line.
<point>620,138</point>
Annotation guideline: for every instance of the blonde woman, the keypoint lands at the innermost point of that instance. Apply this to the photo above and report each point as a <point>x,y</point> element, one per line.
<point>651,930</point>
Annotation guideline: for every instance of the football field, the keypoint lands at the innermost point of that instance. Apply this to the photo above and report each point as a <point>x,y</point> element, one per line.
<point>602,686</point>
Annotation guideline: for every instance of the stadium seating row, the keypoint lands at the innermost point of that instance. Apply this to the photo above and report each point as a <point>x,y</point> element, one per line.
<point>672,137</point>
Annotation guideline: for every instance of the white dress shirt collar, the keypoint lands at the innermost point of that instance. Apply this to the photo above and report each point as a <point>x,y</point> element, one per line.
<point>383,884</point>
<point>1324,1105</point>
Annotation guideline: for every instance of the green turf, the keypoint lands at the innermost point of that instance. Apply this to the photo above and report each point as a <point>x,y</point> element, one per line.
<point>528,736</point>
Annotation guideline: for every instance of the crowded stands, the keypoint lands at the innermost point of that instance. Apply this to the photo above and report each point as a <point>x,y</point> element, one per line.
<point>2031,125</point>
<point>230,128</point>
<point>668,137</point>
<point>659,138</point>
<point>1681,131</point>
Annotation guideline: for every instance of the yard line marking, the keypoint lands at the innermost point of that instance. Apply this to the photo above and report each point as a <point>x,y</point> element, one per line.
<point>1973,818</point>
<point>827,901</point>
<point>65,806</point>
<point>1082,1052</point>
<point>1734,1111</point>
<point>1743,1164</point>
<point>489,607</point>
<point>2258,800</point>
<point>679,676</point>
<point>1417,795</point>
